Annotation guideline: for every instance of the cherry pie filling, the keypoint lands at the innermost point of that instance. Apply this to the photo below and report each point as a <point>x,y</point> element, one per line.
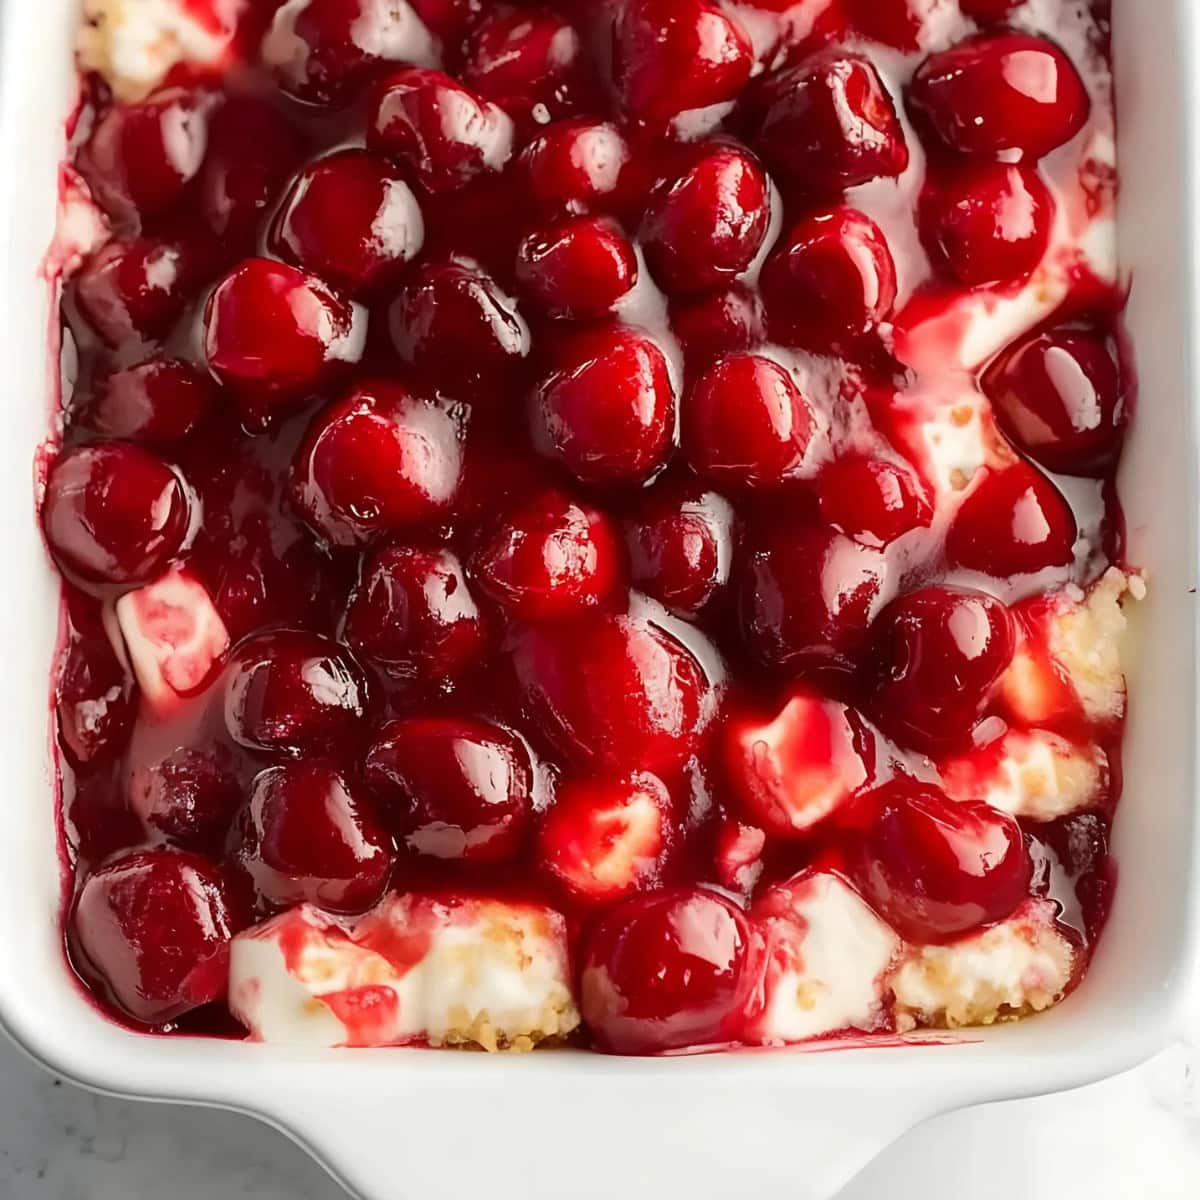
<point>588,521</point>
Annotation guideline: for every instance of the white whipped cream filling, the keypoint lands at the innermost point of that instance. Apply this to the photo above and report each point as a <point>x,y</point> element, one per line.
<point>474,971</point>
<point>828,955</point>
<point>133,44</point>
<point>1020,965</point>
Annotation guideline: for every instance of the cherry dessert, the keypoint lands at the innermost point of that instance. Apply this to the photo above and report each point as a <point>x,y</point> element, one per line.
<point>589,522</point>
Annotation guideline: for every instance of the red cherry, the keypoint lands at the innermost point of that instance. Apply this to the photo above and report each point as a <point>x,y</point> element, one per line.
<point>608,412</point>
<point>604,838</point>
<point>141,156</point>
<point>716,324</point>
<point>320,50</point>
<point>453,788</point>
<point>1012,521</point>
<point>380,458</point>
<point>575,166</point>
<point>939,652</point>
<point>349,219</point>
<point>747,424</point>
<point>799,766</point>
<point>450,20</point>
<point>935,868</point>
<point>667,970</point>
<point>443,134</point>
<point>830,278</point>
<point>155,926</point>
<point>1060,397</point>
<point>706,227</point>
<point>305,838</point>
<point>156,400</point>
<point>137,288</point>
<point>413,614</point>
<point>896,23</point>
<point>807,597</point>
<point>614,691</point>
<point>828,125</point>
<point>988,10</point>
<point>988,223</point>
<point>1005,92</point>
<point>578,268</point>
<point>94,702</point>
<point>531,62</point>
<point>114,514</point>
<point>553,557</point>
<point>252,149</point>
<point>271,331</point>
<point>457,329</point>
<point>189,797</point>
<point>294,693</point>
<point>681,547</point>
<point>670,56</point>
<point>873,500</point>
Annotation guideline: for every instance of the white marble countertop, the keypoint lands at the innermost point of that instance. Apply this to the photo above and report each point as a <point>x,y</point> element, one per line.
<point>1137,1136</point>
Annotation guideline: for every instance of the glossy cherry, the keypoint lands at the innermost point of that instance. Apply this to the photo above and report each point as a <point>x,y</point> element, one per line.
<point>799,765</point>
<point>717,323</point>
<point>604,838</point>
<point>670,56</point>
<point>896,23</point>
<point>935,868</point>
<point>681,546</point>
<point>705,227</point>
<point>999,93</point>
<point>155,927</point>
<point>137,288</point>
<point>577,268</point>
<point>746,423</point>
<point>669,969</point>
<point>456,328</point>
<point>305,837</point>
<point>271,331</point>
<point>252,150</point>
<point>413,614</point>
<point>575,166</point>
<point>1013,521</point>
<point>806,598</point>
<point>829,279</point>
<point>350,219</point>
<point>531,62</point>
<point>607,412</point>
<point>438,131</point>
<point>874,500</point>
<point>114,514</point>
<point>614,691</point>
<point>291,692</point>
<point>95,702</point>
<point>187,797</point>
<point>827,125</point>
<point>380,458</point>
<point>158,400</point>
<point>320,50</point>
<point>1060,397</point>
<point>140,157</point>
<point>553,557</point>
<point>453,788</point>
<point>988,10</point>
<point>988,223</point>
<point>939,653</point>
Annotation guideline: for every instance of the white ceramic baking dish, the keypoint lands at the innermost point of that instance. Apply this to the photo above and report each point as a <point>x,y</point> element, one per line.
<point>427,1125</point>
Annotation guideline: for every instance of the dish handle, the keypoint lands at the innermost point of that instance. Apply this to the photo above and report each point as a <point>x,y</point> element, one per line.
<point>586,1139</point>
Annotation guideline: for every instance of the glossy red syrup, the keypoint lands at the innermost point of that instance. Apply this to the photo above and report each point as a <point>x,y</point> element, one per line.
<point>541,396</point>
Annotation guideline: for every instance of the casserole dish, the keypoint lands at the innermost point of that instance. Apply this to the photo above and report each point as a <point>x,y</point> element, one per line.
<point>402,1122</point>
